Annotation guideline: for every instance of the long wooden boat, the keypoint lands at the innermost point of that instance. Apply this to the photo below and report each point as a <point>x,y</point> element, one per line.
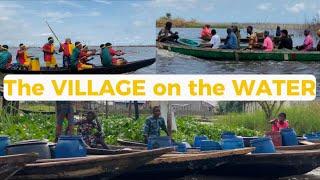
<point>240,55</point>
<point>274,165</point>
<point>108,166</point>
<point>118,69</point>
<point>312,146</point>
<point>9,165</point>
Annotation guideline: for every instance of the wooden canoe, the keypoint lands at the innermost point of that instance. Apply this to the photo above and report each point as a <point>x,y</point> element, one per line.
<point>240,55</point>
<point>175,165</point>
<point>131,143</point>
<point>107,166</point>
<point>119,69</point>
<point>274,165</point>
<point>9,165</point>
<point>313,146</point>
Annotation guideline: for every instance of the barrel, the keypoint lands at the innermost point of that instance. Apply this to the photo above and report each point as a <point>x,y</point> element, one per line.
<point>209,145</point>
<point>232,143</point>
<point>39,147</point>
<point>289,137</point>
<point>159,142</point>
<point>70,146</point>
<point>4,142</point>
<point>228,135</point>
<point>263,145</point>
<point>35,64</point>
<point>311,136</point>
<point>276,138</point>
<point>181,147</point>
<point>198,139</point>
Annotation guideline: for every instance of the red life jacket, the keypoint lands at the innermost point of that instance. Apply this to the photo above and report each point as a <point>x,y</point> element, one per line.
<point>49,48</point>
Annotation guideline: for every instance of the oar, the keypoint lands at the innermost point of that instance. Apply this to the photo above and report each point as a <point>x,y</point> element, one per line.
<point>54,34</point>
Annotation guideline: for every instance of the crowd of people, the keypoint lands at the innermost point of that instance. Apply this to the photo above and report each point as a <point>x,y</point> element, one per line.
<point>75,56</point>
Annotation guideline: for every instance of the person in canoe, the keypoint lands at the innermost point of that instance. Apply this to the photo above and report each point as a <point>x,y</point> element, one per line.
<point>5,57</point>
<point>166,34</point>
<point>75,56</point>
<point>237,32</point>
<point>285,40</point>
<point>22,57</point>
<point>231,40</point>
<point>215,39</point>
<point>113,53</point>
<point>49,51</point>
<point>267,42</point>
<point>84,56</point>
<point>64,110</point>
<point>91,131</point>
<point>280,123</point>
<point>67,48</point>
<point>154,124</point>
<point>308,42</point>
<point>106,59</point>
<point>278,31</point>
<point>253,38</point>
<point>318,46</point>
<point>206,33</point>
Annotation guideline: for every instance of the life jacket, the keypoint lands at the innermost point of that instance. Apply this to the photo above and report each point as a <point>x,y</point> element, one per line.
<point>22,56</point>
<point>48,57</point>
<point>67,49</point>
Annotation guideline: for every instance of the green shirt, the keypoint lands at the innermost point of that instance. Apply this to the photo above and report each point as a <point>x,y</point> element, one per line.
<point>5,57</point>
<point>74,58</point>
<point>153,126</point>
<point>106,59</point>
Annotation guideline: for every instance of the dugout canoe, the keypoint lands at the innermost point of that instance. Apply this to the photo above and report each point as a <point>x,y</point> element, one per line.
<point>106,166</point>
<point>118,69</point>
<point>174,165</point>
<point>274,165</point>
<point>240,55</point>
<point>9,165</point>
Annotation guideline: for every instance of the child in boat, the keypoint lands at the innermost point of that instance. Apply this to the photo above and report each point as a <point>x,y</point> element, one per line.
<point>22,56</point>
<point>280,123</point>
<point>113,53</point>
<point>91,131</point>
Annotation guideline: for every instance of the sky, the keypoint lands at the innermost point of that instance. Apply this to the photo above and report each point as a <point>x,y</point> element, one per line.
<point>132,22</point>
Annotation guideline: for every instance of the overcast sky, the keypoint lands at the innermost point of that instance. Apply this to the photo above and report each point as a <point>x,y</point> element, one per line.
<point>133,22</point>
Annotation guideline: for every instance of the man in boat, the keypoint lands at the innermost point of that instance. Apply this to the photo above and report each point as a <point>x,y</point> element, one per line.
<point>83,58</point>
<point>166,34</point>
<point>308,42</point>
<point>64,110</point>
<point>91,131</point>
<point>206,33</point>
<point>75,55</point>
<point>267,43</point>
<point>106,59</point>
<point>215,39</point>
<point>22,57</point>
<point>231,40</point>
<point>285,40</point>
<point>278,31</point>
<point>318,46</point>
<point>280,123</point>
<point>237,32</point>
<point>67,48</point>
<point>49,51</point>
<point>5,57</point>
<point>113,53</point>
<point>253,38</point>
<point>154,124</point>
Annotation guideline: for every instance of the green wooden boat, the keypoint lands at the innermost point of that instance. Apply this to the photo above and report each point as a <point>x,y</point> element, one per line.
<point>240,55</point>
<point>188,42</point>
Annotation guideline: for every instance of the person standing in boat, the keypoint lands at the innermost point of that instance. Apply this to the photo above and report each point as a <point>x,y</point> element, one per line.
<point>215,39</point>
<point>67,48</point>
<point>22,57</point>
<point>154,124</point>
<point>280,123</point>
<point>231,40</point>
<point>83,58</point>
<point>75,56</point>
<point>49,51</point>
<point>5,57</point>
<point>308,42</point>
<point>166,34</point>
<point>285,40</point>
<point>64,110</point>
<point>253,38</point>
<point>206,33</point>
<point>267,43</point>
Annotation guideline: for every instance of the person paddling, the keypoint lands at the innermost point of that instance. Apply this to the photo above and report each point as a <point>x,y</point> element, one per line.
<point>49,51</point>
<point>22,57</point>
<point>75,56</point>
<point>67,48</point>
<point>113,53</point>
<point>280,123</point>
<point>83,58</point>
<point>106,58</point>
<point>5,57</point>
<point>308,42</point>
<point>166,35</point>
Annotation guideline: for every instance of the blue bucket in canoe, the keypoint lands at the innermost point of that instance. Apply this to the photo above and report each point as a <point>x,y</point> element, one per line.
<point>70,146</point>
<point>289,137</point>
<point>209,145</point>
<point>263,145</point>
<point>232,143</point>
<point>198,139</point>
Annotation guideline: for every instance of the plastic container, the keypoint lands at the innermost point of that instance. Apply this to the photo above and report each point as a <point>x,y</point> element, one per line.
<point>209,145</point>
<point>232,143</point>
<point>276,138</point>
<point>4,142</point>
<point>159,142</point>
<point>198,139</point>
<point>263,145</point>
<point>289,137</point>
<point>311,136</point>
<point>70,146</point>
<point>35,64</point>
<point>228,135</point>
<point>181,147</point>
<point>39,147</point>
<point>246,141</point>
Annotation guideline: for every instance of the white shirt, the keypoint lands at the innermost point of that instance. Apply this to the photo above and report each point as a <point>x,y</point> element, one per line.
<point>215,41</point>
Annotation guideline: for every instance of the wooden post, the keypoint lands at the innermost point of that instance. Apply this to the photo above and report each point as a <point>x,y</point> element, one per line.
<point>169,122</point>
<point>136,110</point>
<point>129,113</point>
<point>107,109</point>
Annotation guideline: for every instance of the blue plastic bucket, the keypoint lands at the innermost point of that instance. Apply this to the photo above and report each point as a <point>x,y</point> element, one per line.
<point>181,147</point>
<point>209,145</point>
<point>4,142</point>
<point>159,142</point>
<point>232,143</point>
<point>311,136</point>
<point>198,139</point>
<point>263,145</point>
<point>289,137</point>
<point>70,146</point>
<point>228,135</point>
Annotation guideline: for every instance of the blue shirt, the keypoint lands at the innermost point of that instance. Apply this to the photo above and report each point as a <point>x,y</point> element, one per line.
<point>5,57</point>
<point>153,126</point>
<point>232,42</point>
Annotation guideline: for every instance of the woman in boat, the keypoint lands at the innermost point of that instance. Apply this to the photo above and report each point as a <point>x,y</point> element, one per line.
<point>83,58</point>
<point>267,43</point>
<point>285,40</point>
<point>166,34</point>
<point>206,33</point>
<point>49,51</point>
<point>91,131</point>
<point>5,57</point>
<point>318,46</point>
<point>64,110</point>
<point>22,57</point>
<point>280,123</point>
<point>67,49</point>
<point>154,124</point>
<point>215,40</point>
<point>231,40</point>
<point>113,53</point>
<point>308,42</point>
<point>253,38</point>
